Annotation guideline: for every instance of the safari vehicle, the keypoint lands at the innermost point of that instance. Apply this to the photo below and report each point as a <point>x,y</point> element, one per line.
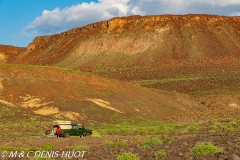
<point>70,129</point>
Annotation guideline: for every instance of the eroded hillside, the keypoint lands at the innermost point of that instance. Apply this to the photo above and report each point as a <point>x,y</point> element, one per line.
<point>64,94</point>
<point>145,40</point>
<point>10,53</point>
<point>193,54</point>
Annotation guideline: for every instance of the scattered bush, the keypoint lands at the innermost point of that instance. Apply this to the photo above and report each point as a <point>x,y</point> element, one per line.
<point>229,127</point>
<point>81,148</point>
<point>214,130</point>
<point>193,128</point>
<point>47,147</point>
<point>167,139</point>
<point>33,149</point>
<point>150,142</point>
<point>117,143</point>
<point>160,153</point>
<point>205,148</point>
<point>139,127</point>
<point>127,156</point>
<point>26,149</point>
<point>109,143</point>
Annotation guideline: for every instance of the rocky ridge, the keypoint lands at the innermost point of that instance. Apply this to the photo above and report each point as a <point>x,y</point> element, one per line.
<point>139,39</point>
<point>10,53</point>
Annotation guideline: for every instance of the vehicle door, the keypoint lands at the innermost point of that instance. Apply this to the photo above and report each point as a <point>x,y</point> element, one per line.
<point>80,131</point>
<point>74,130</point>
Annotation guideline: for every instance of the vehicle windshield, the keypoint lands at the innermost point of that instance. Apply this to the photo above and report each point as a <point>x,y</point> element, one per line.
<point>74,127</point>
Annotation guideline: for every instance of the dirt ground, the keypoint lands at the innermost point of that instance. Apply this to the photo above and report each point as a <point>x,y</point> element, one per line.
<point>176,149</point>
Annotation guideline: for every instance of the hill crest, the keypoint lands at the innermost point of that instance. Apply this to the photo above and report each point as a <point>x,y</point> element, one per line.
<point>160,37</point>
<point>166,52</point>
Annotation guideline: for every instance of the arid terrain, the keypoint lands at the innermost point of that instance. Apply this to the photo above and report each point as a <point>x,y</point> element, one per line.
<point>170,77</point>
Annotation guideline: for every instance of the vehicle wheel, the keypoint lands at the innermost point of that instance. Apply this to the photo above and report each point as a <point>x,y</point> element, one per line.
<point>66,135</point>
<point>88,135</point>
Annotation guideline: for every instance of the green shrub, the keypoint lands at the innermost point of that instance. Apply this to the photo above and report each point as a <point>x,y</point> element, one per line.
<point>120,143</point>
<point>26,149</point>
<point>81,148</point>
<point>127,156</point>
<point>139,127</point>
<point>194,127</point>
<point>229,127</point>
<point>163,131</point>
<point>32,149</point>
<point>9,148</point>
<point>214,130</point>
<point>167,139</point>
<point>143,132</point>
<point>150,142</point>
<point>160,153</point>
<point>47,147</point>
<point>117,143</point>
<point>109,143</point>
<point>205,148</point>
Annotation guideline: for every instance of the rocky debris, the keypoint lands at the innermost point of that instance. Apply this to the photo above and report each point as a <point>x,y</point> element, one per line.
<point>177,150</point>
<point>234,157</point>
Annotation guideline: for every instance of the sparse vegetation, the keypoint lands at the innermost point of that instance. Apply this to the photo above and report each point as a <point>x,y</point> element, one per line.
<point>139,127</point>
<point>205,148</point>
<point>9,149</point>
<point>22,126</point>
<point>165,128</point>
<point>6,112</point>
<point>119,143</point>
<point>168,139</point>
<point>30,82</point>
<point>81,148</point>
<point>127,156</point>
<point>25,149</point>
<point>160,153</point>
<point>194,127</point>
<point>47,147</point>
<point>150,142</point>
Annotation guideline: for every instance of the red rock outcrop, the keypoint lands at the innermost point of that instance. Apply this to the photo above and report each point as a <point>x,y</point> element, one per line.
<point>139,39</point>
<point>10,53</point>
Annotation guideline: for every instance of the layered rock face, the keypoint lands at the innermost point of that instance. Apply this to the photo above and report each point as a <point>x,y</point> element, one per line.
<point>143,40</point>
<point>9,54</point>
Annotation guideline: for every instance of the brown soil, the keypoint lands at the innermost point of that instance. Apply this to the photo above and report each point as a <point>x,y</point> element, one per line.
<point>176,149</point>
<point>56,93</point>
